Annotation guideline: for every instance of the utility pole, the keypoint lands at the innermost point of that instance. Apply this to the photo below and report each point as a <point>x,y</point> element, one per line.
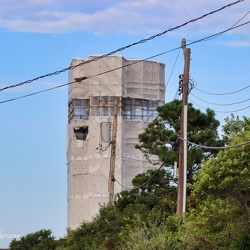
<point>181,197</point>
<point>112,157</point>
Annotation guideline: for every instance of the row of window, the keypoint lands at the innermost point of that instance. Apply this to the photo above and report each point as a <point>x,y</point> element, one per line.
<point>129,108</point>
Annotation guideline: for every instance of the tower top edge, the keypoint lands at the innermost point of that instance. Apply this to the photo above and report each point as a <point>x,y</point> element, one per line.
<point>115,56</point>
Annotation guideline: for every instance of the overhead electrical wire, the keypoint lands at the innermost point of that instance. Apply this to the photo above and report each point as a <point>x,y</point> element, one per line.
<point>84,78</point>
<point>216,34</point>
<point>36,93</point>
<point>138,167</point>
<point>227,93</point>
<point>191,143</point>
<point>208,147</point>
<point>231,26</point>
<point>171,73</point>
<point>224,93</point>
<point>124,173</point>
<point>221,104</point>
<point>120,49</point>
<point>221,111</point>
<point>69,83</point>
<point>155,173</point>
<point>135,188</point>
<point>134,159</point>
<point>98,58</point>
<point>116,69</point>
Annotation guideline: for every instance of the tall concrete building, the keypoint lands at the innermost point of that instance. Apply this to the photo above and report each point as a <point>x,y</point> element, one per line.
<point>107,93</point>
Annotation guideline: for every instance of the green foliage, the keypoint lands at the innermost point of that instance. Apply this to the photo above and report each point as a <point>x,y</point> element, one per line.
<point>154,201</point>
<point>213,225</point>
<point>234,127</point>
<point>144,217</point>
<point>125,198</point>
<point>147,234</point>
<point>157,197</point>
<point>220,217</point>
<point>40,240</point>
<point>162,135</point>
<point>101,233</point>
<point>229,173</point>
<point>155,189</point>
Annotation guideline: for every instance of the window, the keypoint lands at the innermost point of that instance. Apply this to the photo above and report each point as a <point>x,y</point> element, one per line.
<point>104,105</point>
<point>130,108</point>
<point>81,133</point>
<point>79,109</point>
<point>139,109</point>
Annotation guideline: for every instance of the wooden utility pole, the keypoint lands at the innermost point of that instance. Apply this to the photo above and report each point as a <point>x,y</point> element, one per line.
<point>112,157</point>
<point>181,197</point>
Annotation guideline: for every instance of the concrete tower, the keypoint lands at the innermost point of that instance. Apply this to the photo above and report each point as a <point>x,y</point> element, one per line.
<point>137,87</point>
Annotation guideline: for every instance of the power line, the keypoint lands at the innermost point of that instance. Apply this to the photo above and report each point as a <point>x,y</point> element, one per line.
<point>36,93</point>
<point>215,35</point>
<point>208,147</point>
<point>173,67</point>
<point>85,78</point>
<point>228,93</point>
<point>231,26</point>
<point>220,104</point>
<point>177,48</point>
<point>163,164</point>
<point>156,172</point>
<point>221,111</point>
<point>120,49</point>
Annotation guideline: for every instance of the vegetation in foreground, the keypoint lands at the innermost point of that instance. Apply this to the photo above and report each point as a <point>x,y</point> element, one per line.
<point>218,199</point>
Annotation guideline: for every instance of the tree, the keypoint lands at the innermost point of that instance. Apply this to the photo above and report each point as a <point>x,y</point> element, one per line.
<point>147,235</point>
<point>151,189</point>
<point>144,217</point>
<point>220,217</point>
<point>154,201</point>
<point>101,233</point>
<point>145,208</point>
<point>229,173</point>
<point>234,126</point>
<point>40,240</point>
<point>162,135</point>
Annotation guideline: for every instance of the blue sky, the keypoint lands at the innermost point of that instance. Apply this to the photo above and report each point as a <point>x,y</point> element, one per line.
<point>42,36</point>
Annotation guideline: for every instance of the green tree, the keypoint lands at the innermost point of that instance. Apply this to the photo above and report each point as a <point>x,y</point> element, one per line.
<point>151,189</point>
<point>147,236</point>
<point>162,135</point>
<point>234,126</point>
<point>151,233</point>
<point>101,233</point>
<point>40,240</point>
<point>146,207</point>
<point>220,218</point>
<point>154,201</point>
<point>144,217</point>
<point>228,175</point>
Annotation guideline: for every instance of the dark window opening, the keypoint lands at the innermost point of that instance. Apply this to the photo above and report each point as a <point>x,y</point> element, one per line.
<point>78,109</point>
<point>140,109</point>
<point>104,105</point>
<point>81,133</point>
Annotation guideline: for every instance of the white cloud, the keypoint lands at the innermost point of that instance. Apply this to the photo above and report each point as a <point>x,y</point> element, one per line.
<point>130,16</point>
<point>237,43</point>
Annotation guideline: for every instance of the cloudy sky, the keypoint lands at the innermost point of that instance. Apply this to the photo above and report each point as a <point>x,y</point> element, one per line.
<point>98,16</point>
<point>42,36</point>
